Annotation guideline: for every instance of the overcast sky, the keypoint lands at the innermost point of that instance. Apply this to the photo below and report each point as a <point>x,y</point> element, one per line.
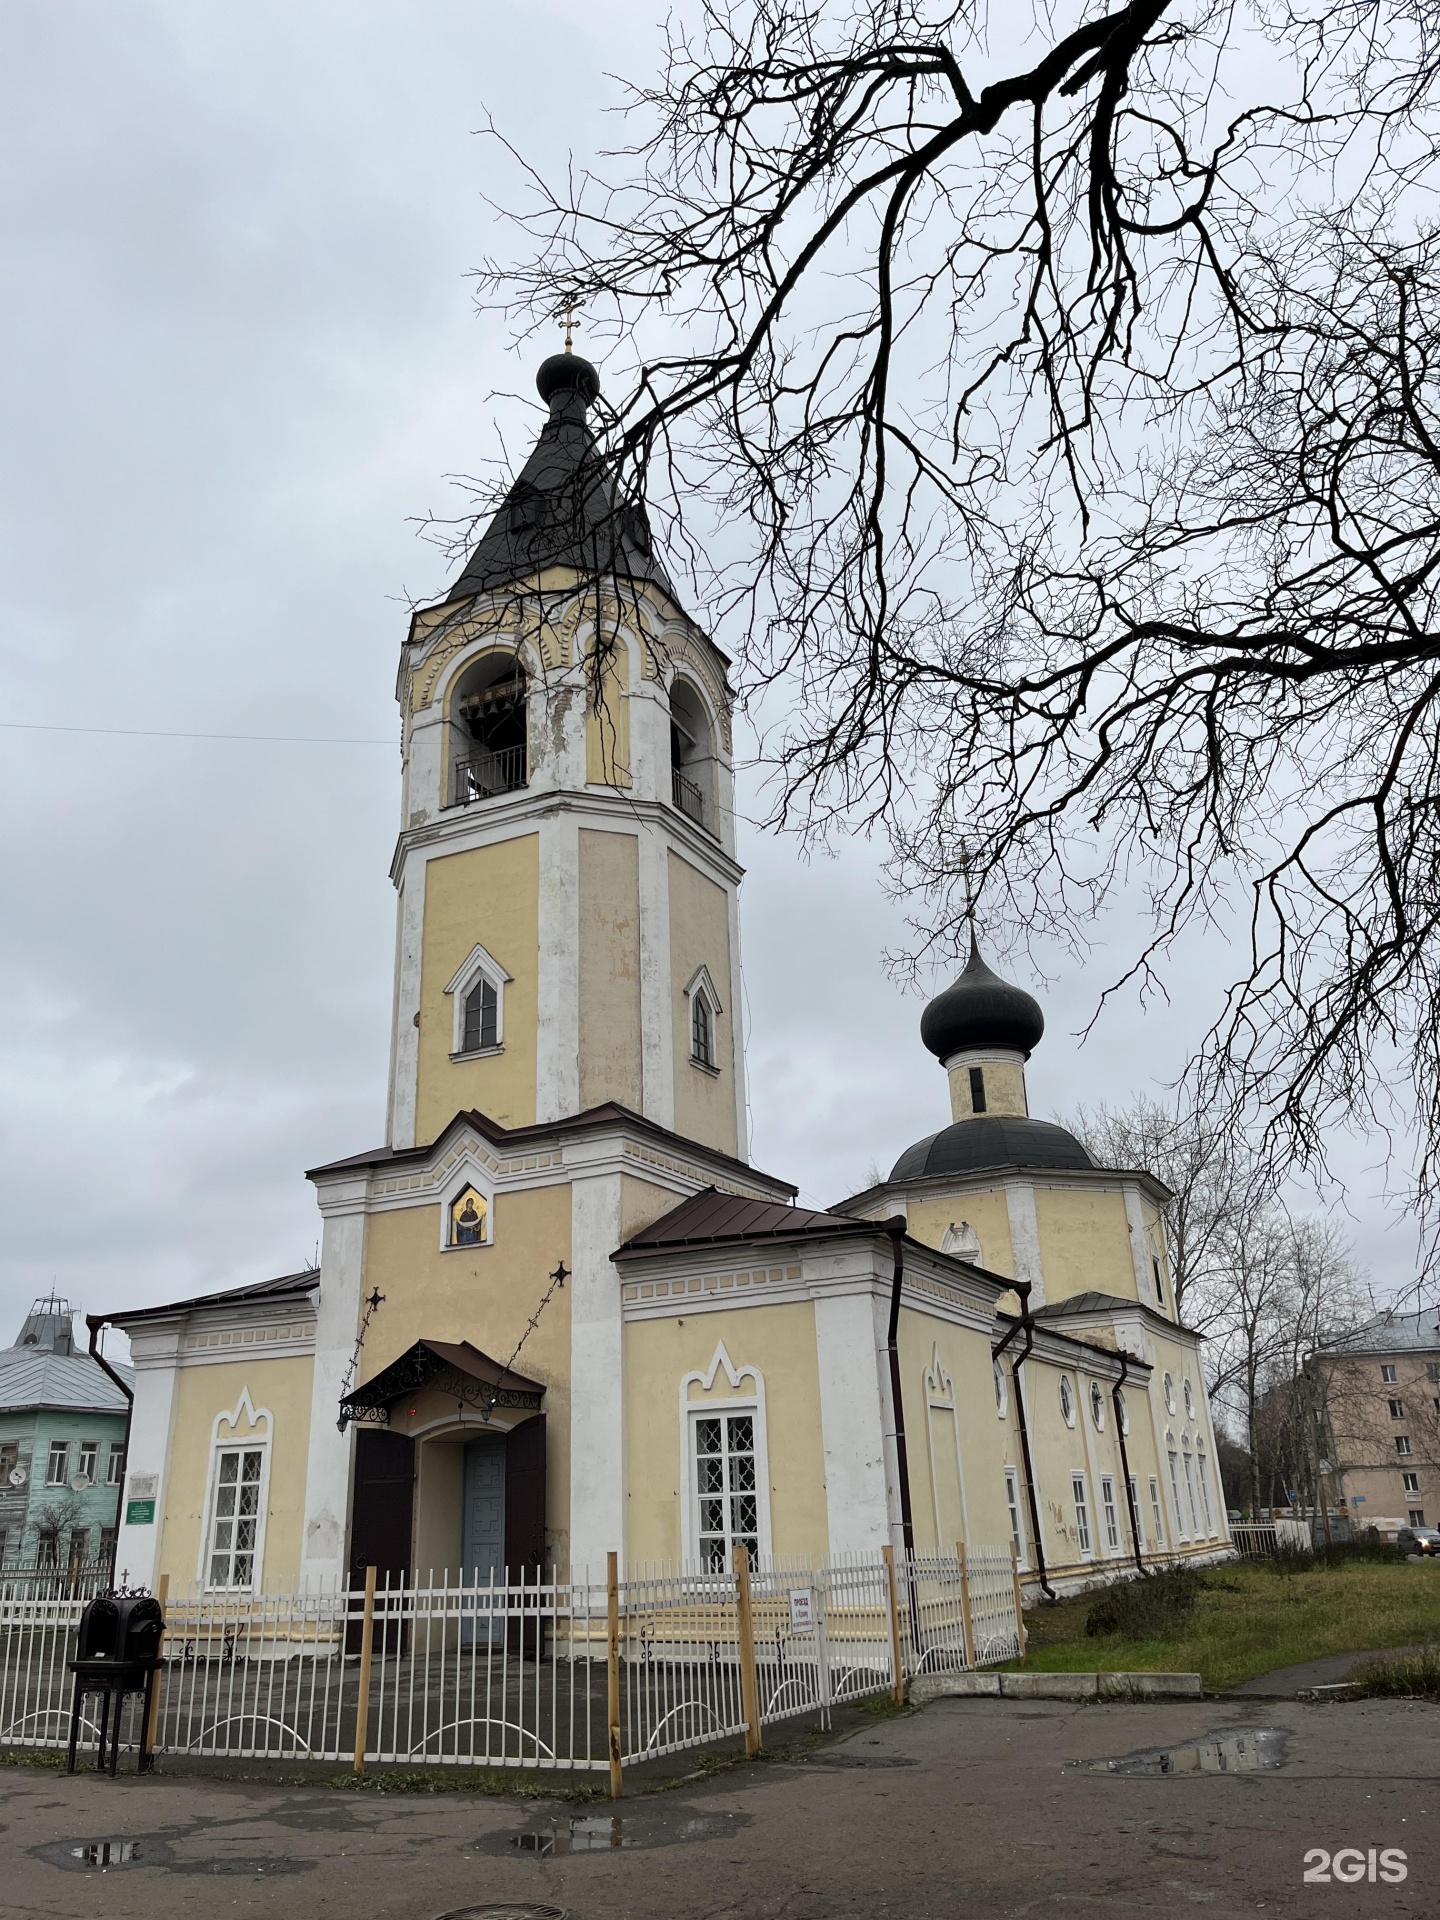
<point>240,356</point>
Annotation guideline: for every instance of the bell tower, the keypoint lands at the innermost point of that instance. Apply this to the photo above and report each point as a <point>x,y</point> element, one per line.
<point>566,870</point>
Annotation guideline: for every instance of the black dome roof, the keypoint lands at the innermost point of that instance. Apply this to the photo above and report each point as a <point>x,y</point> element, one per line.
<point>991,1140</point>
<point>566,373</point>
<point>981,1010</point>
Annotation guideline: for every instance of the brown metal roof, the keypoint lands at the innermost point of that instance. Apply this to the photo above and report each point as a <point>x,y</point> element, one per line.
<point>296,1283</point>
<point>709,1218</point>
<point>450,1367</point>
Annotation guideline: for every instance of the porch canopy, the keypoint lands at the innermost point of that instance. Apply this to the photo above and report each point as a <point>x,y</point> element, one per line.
<point>459,1371</point>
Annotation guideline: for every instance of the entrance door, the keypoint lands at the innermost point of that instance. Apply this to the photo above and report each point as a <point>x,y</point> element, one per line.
<point>482,1538</point>
<point>380,1518</point>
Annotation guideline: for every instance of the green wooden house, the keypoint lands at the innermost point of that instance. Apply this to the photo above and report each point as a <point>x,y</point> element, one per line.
<point>62,1446</point>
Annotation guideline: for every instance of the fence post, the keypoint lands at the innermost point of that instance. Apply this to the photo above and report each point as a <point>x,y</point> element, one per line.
<point>612,1666</point>
<point>1019,1609</point>
<point>749,1673</point>
<point>367,1646</point>
<point>897,1692</point>
<point>152,1717</point>
<point>966,1622</point>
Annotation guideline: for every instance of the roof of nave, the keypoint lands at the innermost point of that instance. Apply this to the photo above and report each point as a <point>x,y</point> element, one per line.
<point>259,1290</point>
<point>710,1218</point>
<point>526,1139</point>
<point>42,1369</point>
<point>1091,1301</point>
<point>1095,1352</point>
<point>1390,1333</point>
<point>562,510</point>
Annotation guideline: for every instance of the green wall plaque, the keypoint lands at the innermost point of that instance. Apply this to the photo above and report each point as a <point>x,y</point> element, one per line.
<point>139,1513</point>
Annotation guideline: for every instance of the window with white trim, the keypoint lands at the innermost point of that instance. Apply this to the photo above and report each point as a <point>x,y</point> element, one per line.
<point>1123,1410</point>
<point>727,1488</point>
<point>1112,1517</point>
<point>115,1465</point>
<point>1189,1401</point>
<point>1082,1513</point>
<point>88,1464</point>
<point>1170,1455</point>
<point>57,1468</point>
<point>1156,1516</point>
<point>1397,1409</point>
<point>1410,1483</point>
<point>1067,1401</point>
<point>705,1011</point>
<point>1190,1489</point>
<point>477,997</point>
<point>1001,1396</point>
<point>1417,1516</point>
<point>1203,1477</point>
<point>1097,1406</point>
<point>1402,1443</point>
<point>1387,1375</point>
<point>1136,1524</point>
<point>1017,1518</point>
<point>235,1516</point>
<point>1169,1394</point>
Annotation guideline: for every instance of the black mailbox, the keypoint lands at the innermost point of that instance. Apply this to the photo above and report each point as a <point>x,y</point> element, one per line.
<point>124,1627</point>
<point>117,1655</point>
<point>99,1630</point>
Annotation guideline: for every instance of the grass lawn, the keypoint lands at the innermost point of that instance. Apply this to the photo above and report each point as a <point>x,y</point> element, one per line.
<point>1251,1618</point>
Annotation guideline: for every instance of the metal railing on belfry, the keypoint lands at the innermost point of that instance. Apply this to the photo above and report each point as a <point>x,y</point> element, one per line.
<point>480,776</point>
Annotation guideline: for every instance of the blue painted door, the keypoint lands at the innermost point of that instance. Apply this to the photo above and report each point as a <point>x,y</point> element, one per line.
<point>483,1529</point>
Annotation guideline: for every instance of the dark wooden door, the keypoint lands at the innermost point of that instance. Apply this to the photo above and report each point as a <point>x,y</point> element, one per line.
<point>381,1512</point>
<point>525,1525</point>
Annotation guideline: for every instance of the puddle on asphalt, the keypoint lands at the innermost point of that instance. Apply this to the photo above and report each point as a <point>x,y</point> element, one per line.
<point>670,1826</point>
<point>104,1855</point>
<point>107,1853</point>
<point>1239,1750</point>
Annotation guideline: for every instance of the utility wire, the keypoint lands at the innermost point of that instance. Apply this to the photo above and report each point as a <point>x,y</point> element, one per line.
<point>155,733</point>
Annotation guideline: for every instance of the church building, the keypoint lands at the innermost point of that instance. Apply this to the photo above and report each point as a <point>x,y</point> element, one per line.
<point>558,1312</point>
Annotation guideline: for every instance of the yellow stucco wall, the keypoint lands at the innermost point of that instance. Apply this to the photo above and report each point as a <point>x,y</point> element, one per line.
<point>607,723</point>
<point>780,1342</point>
<point>1004,1088</point>
<point>484,1295</point>
<point>700,935</point>
<point>931,1215</point>
<point>490,895</point>
<point>641,1203</point>
<point>931,1435</point>
<point>280,1387</point>
<point>1084,1242</point>
<point>610,1046</point>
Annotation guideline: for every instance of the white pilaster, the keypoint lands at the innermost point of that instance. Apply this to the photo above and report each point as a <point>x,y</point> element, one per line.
<point>1139,1248</point>
<point>155,1354</point>
<point>557,1039</point>
<point>405,1041</point>
<point>327,1472</point>
<point>737,1031</point>
<point>597,1381</point>
<point>657,1013</point>
<point>1025,1238</point>
<point>854,1393</point>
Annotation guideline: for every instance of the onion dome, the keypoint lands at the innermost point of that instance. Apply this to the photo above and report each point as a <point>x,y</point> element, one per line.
<point>988,1140</point>
<point>564,374</point>
<point>981,1011</point>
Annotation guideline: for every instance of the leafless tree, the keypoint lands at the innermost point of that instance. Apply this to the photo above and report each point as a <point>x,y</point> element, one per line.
<point>1052,412</point>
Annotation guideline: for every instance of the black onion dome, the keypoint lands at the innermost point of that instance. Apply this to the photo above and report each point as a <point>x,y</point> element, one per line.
<point>567,373</point>
<point>981,1010</point>
<point>990,1140</point>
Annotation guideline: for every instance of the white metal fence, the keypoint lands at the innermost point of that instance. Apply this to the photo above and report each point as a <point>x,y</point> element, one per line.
<point>534,1673</point>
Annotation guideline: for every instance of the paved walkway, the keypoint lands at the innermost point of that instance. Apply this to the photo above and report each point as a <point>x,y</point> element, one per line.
<point>970,1808</point>
<point>1283,1683</point>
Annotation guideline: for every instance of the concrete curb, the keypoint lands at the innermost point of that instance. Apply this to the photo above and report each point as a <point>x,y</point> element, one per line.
<point>1056,1686</point>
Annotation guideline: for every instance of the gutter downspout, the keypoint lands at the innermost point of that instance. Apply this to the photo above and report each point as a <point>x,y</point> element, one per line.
<point>95,1321</point>
<point>1117,1403</point>
<point>896,1228</point>
<point>1026,1324</point>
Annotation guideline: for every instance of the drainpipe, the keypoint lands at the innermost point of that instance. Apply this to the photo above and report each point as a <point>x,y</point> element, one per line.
<point>896,1228</point>
<point>1026,1325</point>
<point>1116,1402</point>
<point>95,1321</point>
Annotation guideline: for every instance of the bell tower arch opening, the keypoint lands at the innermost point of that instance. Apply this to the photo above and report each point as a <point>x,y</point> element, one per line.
<point>488,732</point>
<point>692,756</point>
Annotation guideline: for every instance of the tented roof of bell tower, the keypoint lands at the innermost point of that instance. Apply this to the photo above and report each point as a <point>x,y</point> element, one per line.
<point>561,510</point>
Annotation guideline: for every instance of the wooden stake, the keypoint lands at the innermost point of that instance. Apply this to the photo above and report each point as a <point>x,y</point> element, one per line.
<point>1019,1607</point>
<point>897,1691</point>
<point>749,1673</point>
<point>367,1646</point>
<point>152,1718</point>
<point>612,1664</point>
<point>966,1622</point>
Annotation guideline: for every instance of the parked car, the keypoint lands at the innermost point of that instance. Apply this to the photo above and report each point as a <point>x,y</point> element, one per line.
<point>1424,1540</point>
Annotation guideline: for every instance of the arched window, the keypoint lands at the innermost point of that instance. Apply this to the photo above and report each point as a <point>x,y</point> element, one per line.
<point>488,753</point>
<point>1001,1397</point>
<point>1189,1402</point>
<point>1169,1394</point>
<point>477,989</point>
<point>1067,1401</point>
<point>482,1017</point>
<point>705,1010</point>
<point>692,756</point>
<point>1097,1406</point>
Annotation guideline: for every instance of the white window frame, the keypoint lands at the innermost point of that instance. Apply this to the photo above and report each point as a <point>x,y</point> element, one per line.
<point>115,1464</point>
<point>1081,1498</point>
<point>1387,1375</point>
<point>92,1448</point>
<point>1002,1390</point>
<point>59,1449</point>
<point>1204,1479</point>
<point>1067,1400</point>
<point>245,1428</point>
<point>1172,1456</point>
<point>700,986</point>
<point>1014,1500</point>
<point>1416,1516</point>
<point>1188,1394</point>
<point>1097,1406</point>
<point>1402,1445</point>
<point>1110,1513</point>
<point>1123,1405</point>
<point>477,965</point>
<point>1188,1459</point>
<point>741,1399</point>
<point>1157,1513</point>
<point>1410,1483</point>
<point>1169,1389</point>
